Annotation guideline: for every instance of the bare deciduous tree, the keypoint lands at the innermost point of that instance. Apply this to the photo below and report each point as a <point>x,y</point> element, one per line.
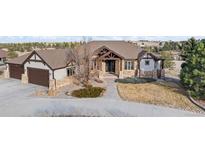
<point>82,58</point>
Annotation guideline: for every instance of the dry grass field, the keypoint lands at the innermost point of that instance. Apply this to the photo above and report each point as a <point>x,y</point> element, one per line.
<point>158,93</point>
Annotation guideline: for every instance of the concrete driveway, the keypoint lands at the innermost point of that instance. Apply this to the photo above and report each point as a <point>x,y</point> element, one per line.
<point>11,90</point>
<point>16,100</point>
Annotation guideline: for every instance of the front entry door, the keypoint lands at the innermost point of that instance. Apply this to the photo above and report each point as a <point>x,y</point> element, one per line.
<point>110,66</point>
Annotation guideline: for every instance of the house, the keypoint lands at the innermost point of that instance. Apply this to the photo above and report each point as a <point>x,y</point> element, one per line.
<point>123,59</point>
<point>3,56</point>
<point>42,67</point>
<point>55,68</point>
<point>146,43</point>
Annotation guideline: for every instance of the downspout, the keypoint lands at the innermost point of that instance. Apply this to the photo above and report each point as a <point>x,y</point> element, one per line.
<point>54,79</point>
<point>139,70</point>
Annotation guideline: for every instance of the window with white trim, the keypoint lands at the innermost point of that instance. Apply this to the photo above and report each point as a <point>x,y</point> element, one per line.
<point>129,65</point>
<point>70,71</point>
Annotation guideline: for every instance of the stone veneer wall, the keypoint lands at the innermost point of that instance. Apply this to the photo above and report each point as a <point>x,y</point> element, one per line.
<point>117,67</point>
<point>128,73</point>
<point>24,77</point>
<point>148,74</point>
<point>121,73</point>
<point>6,72</point>
<point>56,84</point>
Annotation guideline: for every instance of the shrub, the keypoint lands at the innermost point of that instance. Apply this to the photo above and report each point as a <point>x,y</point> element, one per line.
<point>88,92</point>
<point>135,80</point>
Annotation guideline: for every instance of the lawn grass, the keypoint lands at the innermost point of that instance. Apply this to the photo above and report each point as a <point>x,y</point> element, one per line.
<point>162,93</point>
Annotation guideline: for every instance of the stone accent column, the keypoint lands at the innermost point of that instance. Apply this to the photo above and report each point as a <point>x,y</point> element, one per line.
<point>100,74</point>
<point>163,73</point>
<point>52,88</point>
<point>24,77</point>
<point>6,74</point>
<point>121,75</point>
<point>103,67</point>
<point>52,84</point>
<point>121,66</point>
<point>155,74</point>
<point>117,67</point>
<point>135,65</point>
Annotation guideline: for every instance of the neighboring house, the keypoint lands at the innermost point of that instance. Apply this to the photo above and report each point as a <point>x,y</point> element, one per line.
<point>52,68</point>
<point>3,56</point>
<point>146,43</point>
<point>123,59</point>
<point>43,67</point>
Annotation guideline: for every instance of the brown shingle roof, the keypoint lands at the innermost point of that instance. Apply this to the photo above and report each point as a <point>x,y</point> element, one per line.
<point>125,49</point>
<point>55,58</point>
<point>154,55</point>
<point>3,54</point>
<point>19,60</point>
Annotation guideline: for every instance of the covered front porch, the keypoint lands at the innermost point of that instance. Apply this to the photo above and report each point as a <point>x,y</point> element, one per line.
<point>110,68</point>
<point>108,63</point>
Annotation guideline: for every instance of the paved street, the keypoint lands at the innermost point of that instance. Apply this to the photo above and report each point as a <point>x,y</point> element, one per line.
<point>16,100</point>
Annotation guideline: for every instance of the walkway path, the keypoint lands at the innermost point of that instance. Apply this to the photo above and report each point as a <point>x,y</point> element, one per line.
<point>111,90</point>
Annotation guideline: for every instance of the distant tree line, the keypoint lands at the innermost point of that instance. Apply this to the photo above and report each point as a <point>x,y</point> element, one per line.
<point>27,47</point>
<point>170,45</point>
<point>23,47</point>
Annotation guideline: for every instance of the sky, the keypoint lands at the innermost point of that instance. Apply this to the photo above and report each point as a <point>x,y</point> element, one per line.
<point>16,39</point>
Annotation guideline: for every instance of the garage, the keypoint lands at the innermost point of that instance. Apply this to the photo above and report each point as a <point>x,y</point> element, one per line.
<point>38,76</point>
<point>16,71</point>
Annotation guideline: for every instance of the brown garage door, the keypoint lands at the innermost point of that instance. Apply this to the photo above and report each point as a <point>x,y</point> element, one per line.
<point>38,76</point>
<point>16,71</point>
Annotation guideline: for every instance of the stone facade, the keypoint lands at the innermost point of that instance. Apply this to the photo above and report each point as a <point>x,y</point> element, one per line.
<point>152,74</point>
<point>24,77</point>
<point>129,73</point>
<point>121,72</point>
<point>148,74</point>
<point>6,74</point>
<point>57,84</point>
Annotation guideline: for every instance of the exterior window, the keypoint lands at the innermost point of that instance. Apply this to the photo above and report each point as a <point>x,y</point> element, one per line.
<point>146,62</point>
<point>70,71</point>
<point>129,65</point>
<point>93,65</point>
